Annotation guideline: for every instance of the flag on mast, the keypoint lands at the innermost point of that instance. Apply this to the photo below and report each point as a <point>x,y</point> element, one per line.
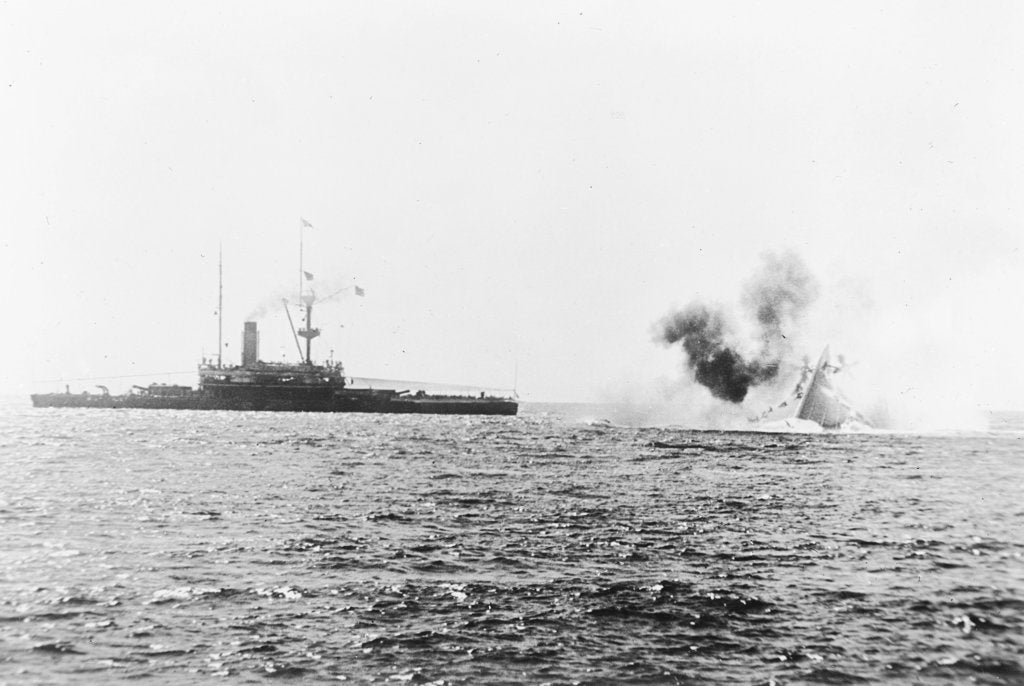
<point>309,277</point>
<point>306,223</point>
<point>360,292</point>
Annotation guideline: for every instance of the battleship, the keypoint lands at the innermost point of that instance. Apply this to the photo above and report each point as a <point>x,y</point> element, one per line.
<point>259,386</point>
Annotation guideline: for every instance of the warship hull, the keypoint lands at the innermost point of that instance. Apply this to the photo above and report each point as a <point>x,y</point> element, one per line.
<point>821,402</point>
<point>347,401</point>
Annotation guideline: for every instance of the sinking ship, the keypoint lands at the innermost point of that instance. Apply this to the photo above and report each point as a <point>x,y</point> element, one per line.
<point>815,402</point>
<point>305,386</point>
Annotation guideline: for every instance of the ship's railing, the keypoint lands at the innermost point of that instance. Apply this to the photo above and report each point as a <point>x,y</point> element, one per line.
<point>334,369</point>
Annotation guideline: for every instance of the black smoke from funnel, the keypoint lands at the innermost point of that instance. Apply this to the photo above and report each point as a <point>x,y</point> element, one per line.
<point>775,297</point>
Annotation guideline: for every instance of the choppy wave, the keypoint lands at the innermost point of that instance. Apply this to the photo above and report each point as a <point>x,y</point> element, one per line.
<point>187,547</point>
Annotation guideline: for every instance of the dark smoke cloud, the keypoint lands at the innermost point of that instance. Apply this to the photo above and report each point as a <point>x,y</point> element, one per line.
<point>715,365</point>
<point>775,299</point>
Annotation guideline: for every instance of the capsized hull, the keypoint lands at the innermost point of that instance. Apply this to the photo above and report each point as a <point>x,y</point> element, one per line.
<point>821,402</point>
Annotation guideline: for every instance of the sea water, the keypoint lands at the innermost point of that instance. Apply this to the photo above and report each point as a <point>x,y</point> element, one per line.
<point>219,547</point>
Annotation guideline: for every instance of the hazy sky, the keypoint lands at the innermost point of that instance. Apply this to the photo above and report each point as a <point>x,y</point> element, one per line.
<point>511,183</point>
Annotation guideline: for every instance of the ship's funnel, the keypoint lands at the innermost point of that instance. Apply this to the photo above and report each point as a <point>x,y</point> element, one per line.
<point>250,344</point>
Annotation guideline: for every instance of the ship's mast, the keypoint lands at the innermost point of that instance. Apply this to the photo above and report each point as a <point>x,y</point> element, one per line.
<point>309,333</point>
<point>220,303</point>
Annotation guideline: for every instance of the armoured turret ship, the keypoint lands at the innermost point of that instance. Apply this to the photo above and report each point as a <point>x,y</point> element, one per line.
<point>255,385</point>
